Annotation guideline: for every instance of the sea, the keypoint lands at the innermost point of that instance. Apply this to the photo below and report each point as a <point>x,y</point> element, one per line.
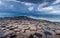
<point>49,17</point>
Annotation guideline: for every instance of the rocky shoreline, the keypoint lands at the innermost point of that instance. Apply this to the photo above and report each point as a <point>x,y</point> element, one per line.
<point>24,27</point>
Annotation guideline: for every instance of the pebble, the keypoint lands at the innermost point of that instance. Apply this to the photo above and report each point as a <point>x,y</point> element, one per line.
<point>57,32</point>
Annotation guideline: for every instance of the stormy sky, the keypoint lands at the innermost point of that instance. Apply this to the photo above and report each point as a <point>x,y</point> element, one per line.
<point>38,9</point>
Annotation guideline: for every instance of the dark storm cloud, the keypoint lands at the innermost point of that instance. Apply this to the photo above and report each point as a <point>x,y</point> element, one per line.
<point>32,1</point>
<point>37,1</point>
<point>50,0</point>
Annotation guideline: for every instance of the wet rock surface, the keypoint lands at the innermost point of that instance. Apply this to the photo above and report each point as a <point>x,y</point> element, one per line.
<point>24,27</point>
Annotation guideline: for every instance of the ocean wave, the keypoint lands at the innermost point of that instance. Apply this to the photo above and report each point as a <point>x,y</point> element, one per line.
<point>48,19</point>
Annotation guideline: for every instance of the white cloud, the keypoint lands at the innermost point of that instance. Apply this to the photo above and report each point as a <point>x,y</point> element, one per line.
<point>11,6</point>
<point>50,9</point>
<point>0,2</point>
<point>55,11</point>
<point>46,9</point>
<point>43,4</point>
<point>27,4</point>
<point>40,6</point>
<point>57,1</point>
<point>30,8</point>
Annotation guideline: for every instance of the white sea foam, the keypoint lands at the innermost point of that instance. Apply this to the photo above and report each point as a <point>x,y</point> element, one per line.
<point>48,19</point>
